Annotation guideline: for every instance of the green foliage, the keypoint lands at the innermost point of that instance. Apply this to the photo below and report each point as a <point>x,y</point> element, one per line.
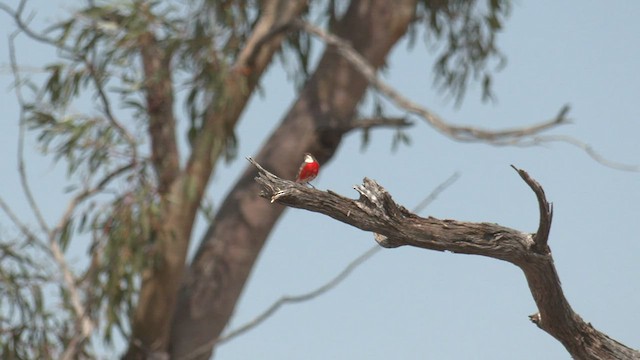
<point>466,31</point>
<point>297,45</point>
<point>82,142</point>
<point>400,137</point>
<point>206,59</point>
<point>29,329</point>
<point>298,48</point>
<point>100,46</point>
<point>122,248</point>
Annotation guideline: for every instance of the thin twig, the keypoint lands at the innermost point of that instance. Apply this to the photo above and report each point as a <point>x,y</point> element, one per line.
<point>85,323</point>
<point>21,134</point>
<point>106,107</point>
<point>22,25</point>
<point>332,283</point>
<point>379,121</point>
<point>78,199</point>
<point>284,300</point>
<point>436,192</point>
<point>24,229</point>
<point>538,140</point>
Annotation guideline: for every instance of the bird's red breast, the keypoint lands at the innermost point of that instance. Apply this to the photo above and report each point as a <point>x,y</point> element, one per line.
<point>308,170</point>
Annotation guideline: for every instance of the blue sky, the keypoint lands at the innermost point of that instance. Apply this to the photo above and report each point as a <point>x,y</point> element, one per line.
<point>409,303</point>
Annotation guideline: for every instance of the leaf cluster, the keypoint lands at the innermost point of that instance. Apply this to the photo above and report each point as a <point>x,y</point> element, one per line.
<point>29,326</point>
<point>88,142</point>
<point>122,247</point>
<point>466,31</point>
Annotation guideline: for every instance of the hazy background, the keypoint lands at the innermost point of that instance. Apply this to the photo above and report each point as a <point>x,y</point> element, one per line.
<point>409,303</point>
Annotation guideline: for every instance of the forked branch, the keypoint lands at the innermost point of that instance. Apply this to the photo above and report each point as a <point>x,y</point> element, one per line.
<point>322,289</point>
<point>394,226</point>
<point>461,133</point>
<point>522,136</point>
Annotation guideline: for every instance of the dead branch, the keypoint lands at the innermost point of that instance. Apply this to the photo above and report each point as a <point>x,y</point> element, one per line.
<point>436,192</point>
<point>546,213</point>
<point>543,139</point>
<point>24,183</point>
<point>290,299</point>
<point>461,133</point>
<point>22,227</point>
<point>394,226</point>
<point>322,289</point>
<point>21,22</point>
<point>284,300</point>
<point>379,121</point>
<point>524,136</point>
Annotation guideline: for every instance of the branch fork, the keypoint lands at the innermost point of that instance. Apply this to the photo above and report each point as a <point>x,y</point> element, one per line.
<point>394,226</point>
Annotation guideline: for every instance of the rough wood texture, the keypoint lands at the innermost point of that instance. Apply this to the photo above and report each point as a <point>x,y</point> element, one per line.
<point>394,226</point>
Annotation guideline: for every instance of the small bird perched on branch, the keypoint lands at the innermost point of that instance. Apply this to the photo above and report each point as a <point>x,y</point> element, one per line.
<point>308,170</point>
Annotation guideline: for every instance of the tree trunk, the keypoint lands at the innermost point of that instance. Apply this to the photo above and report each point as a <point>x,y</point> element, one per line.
<point>315,123</point>
<point>181,190</point>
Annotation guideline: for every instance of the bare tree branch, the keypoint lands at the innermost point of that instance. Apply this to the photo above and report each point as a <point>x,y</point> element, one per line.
<point>542,139</point>
<point>21,166</point>
<point>106,108</point>
<point>461,133</point>
<point>379,121</point>
<point>17,16</point>
<point>436,192</point>
<point>526,136</point>
<point>546,213</point>
<point>84,325</point>
<point>22,227</point>
<point>285,300</point>
<point>395,226</point>
<point>332,283</point>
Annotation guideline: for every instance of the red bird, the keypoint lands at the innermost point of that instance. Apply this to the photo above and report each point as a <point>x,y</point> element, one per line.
<point>308,170</point>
